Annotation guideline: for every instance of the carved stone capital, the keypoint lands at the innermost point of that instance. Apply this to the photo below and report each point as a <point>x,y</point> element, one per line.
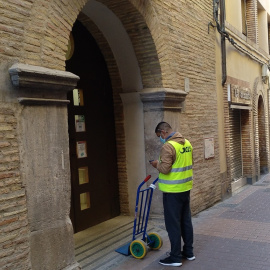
<point>28,76</point>
<point>162,99</point>
<point>40,86</point>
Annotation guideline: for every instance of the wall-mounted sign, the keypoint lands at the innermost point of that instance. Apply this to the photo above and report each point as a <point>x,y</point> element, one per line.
<point>79,123</point>
<point>81,149</point>
<point>209,148</point>
<point>240,95</point>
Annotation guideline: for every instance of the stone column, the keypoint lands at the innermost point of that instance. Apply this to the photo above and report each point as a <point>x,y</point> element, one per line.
<point>156,103</point>
<point>44,162</point>
<point>134,142</point>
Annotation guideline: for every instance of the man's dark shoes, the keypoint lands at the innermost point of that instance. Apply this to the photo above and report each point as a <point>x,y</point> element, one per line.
<point>188,257</point>
<point>169,262</point>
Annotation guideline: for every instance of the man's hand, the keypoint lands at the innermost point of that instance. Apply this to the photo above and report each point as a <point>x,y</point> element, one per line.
<point>154,163</point>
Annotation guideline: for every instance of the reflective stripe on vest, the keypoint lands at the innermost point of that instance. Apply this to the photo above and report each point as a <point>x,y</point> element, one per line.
<point>173,182</point>
<point>182,169</point>
<point>181,175</point>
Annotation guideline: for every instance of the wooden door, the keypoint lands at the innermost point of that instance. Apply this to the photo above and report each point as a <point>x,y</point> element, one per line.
<point>93,162</point>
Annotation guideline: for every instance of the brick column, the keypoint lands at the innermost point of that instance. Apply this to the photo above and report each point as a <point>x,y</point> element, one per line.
<point>247,145</point>
<point>226,179</point>
<point>252,20</point>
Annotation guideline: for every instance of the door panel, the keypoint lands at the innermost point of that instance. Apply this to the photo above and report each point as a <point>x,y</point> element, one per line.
<point>236,144</point>
<point>93,159</point>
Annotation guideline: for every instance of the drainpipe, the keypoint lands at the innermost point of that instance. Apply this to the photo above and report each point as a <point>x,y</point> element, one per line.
<point>223,44</point>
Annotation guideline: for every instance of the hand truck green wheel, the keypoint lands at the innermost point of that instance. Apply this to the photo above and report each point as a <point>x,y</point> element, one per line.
<point>138,249</point>
<point>155,242</point>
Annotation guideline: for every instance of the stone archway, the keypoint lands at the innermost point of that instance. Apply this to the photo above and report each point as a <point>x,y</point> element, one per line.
<point>261,132</point>
<point>262,136</point>
<point>131,56</point>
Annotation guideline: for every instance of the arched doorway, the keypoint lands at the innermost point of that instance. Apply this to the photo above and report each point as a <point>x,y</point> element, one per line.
<point>262,137</point>
<point>128,65</point>
<point>93,161</point>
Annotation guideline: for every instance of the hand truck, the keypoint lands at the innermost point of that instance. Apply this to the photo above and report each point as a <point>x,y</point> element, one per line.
<point>138,248</point>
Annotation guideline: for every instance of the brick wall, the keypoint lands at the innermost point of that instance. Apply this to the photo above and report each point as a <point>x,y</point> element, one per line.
<point>247,142</point>
<point>37,31</point>
<point>14,231</point>
<point>254,134</point>
<point>256,127</point>
<point>247,136</point>
<point>252,20</point>
<point>166,63</point>
<point>262,134</point>
<point>227,132</point>
<point>191,54</point>
<point>171,43</point>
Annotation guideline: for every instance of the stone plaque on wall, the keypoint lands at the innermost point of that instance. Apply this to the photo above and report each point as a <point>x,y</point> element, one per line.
<point>209,148</point>
<point>240,95</point>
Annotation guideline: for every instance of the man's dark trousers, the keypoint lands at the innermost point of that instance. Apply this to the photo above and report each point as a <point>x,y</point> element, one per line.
<point>178,223</point>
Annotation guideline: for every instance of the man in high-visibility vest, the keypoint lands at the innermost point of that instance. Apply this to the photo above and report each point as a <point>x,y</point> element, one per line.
<point>175,181</point>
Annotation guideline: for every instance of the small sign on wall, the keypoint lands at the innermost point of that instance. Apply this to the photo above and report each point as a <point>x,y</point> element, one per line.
<point>209,148</point>
<point>239,95</point>
<point>81,149</point>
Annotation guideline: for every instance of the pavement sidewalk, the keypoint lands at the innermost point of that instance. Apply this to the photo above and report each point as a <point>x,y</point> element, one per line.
<point>233,234</point>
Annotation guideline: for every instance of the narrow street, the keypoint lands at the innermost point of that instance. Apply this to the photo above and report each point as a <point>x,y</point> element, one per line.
<point>233,234</point>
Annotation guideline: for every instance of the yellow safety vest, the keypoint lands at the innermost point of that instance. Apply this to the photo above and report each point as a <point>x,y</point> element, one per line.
<point>180,178</point>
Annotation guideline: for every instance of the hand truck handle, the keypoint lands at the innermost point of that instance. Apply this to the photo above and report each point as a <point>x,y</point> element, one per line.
<point>147,178</point>
<point>155,181</point>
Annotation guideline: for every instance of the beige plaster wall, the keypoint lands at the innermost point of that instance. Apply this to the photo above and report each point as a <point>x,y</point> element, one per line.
<point>241,66</point>
<point>233,16</point>
<point>265,4</point>
<point>263,30</point>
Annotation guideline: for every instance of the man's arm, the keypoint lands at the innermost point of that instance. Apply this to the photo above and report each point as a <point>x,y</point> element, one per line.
<point>167,158</point>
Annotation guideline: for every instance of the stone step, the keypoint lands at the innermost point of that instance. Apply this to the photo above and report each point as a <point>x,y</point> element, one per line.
<point>95,247</point>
